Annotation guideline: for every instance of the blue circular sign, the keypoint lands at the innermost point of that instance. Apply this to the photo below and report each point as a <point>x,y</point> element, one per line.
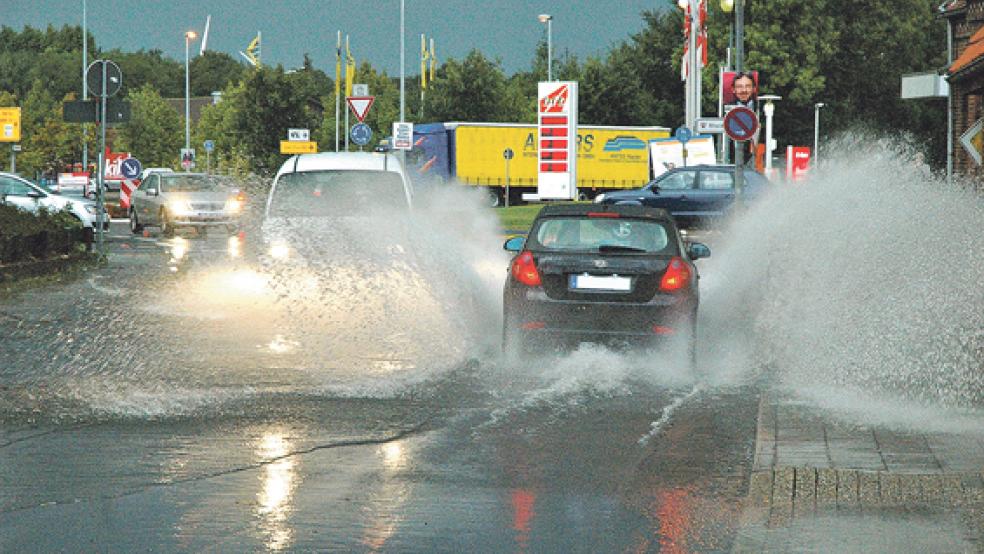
<point>131,168</point>
<point>361,134</point>
<point>741,123</point>
<point>682,134</point>
<point>209,145</point>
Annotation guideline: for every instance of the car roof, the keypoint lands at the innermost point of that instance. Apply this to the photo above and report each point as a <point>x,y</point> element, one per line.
<point>628,210</point>
<point>351,161</point>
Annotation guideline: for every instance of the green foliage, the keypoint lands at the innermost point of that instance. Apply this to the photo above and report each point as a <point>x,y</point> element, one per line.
<point>471,90</point>
<point>25,236</point>
<point>213,71</point>
<point>154,134</point>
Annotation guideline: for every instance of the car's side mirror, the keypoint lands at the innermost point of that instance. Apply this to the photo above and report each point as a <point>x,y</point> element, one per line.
<point>698,250</point>
<point>151,191</point>
<point>514,244</point>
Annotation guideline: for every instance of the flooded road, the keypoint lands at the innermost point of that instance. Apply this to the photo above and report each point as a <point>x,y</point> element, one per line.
<point>188,418</point>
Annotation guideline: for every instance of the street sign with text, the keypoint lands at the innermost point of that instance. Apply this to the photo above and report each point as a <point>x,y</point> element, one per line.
<point>10,124</point>
<point>710,125</point>
<point>298,147</point>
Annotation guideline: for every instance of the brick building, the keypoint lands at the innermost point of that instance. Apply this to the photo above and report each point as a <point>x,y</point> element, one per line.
<point>965,76</point>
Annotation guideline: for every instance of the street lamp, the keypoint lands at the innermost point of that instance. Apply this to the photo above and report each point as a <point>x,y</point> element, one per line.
<point>548,19</point>
<point>768,109</point>
<point>816,132</point>
<point>189,36</point>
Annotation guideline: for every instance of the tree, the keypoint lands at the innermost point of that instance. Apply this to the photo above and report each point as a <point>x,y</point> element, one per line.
<point>154,133</point>
<point>214,71</point>
<point>471,90</point>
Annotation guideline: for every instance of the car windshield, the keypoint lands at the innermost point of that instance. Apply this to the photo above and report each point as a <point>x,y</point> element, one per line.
<point>601,234</point>
<point>337,193</point>
<point>190,183</point>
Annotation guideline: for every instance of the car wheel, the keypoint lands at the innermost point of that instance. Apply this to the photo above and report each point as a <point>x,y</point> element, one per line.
<point>166,228</point>
<point>494,198</point>
<point>135,226</point>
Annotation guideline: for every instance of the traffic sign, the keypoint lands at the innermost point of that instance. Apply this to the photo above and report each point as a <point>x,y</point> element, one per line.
<point>741,124</point>
<point>10,124</point>
<point>301,135</point>
<point>361,134</point>
<point>402,135</point>
<point>682,134</point>
<point>94,77</point>
<point>131,168</point>
<point>209,145</point>
<point>360,105</point>
<point>710,125</point>
<point>360,89</point>
<point>298,147</point>
<point>188,158</point>
<point>973,141</point>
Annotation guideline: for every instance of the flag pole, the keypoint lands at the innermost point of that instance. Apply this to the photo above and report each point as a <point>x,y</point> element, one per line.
<point>338,83</point>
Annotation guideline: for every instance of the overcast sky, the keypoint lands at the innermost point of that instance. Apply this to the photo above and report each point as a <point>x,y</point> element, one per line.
<point>507,29</point>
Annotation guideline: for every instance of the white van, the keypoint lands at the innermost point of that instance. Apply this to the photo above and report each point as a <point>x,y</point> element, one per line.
<point>312,190</point>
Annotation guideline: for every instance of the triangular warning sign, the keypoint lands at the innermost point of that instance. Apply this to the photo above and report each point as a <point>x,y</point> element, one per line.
<point>360,105</point>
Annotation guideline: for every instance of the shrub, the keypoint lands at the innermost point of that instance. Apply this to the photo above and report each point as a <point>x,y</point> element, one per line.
<point>25,236</point>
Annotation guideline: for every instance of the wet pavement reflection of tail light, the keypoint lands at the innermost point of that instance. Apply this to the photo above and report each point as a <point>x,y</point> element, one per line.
<point>523,502</point>
<point>275,499</point>
<point>393,493</point>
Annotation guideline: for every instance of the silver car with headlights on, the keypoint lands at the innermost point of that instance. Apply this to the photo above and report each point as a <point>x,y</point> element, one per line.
<point>174,200</point>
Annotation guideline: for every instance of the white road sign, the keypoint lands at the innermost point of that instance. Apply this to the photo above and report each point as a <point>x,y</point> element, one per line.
<point>299,135</point>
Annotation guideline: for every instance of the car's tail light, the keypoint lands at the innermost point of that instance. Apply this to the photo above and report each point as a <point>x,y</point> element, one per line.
<point>663,330</point>
<point>677,276</point>
<point>533,325</point>
<point>524,270</point>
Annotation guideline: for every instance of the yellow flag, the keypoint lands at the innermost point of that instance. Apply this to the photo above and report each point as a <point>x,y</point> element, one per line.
<point>423,62</point>
<point>349,69</point>
<point>433,60</point>
<point>338,66</point>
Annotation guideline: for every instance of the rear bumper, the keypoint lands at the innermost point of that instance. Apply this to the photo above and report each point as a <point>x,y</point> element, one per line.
<point>531,312</point>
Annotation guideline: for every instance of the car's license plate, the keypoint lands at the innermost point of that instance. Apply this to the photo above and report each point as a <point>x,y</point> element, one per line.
<point>600,282</point>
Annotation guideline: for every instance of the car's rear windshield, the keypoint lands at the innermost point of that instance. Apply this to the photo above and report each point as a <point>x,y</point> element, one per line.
<point>338,192</point>
<point>597,234</point>
<point>190,183</point>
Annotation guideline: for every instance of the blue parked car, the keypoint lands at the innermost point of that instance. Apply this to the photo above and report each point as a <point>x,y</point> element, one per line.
<point>693,195</point>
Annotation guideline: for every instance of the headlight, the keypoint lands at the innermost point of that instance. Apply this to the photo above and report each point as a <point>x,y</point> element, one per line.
<point>233,206</point>
<point>235,248</point>
<point>179,208</point>
<point>179,247</point>
<point>600,198</point>
<point>92,209</point>
<point>280,250</point>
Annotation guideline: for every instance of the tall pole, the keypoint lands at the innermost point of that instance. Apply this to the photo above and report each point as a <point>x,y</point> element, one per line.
<point>188,36</point>
<point>550,49</point>
<point>816,133</point>
<point>85,88</point>
<point>403,100</point>
<point>338,88</point>
<point>100,202</point>
<point>347,77</point>
<point>739,67</point>
<point>949,104</point>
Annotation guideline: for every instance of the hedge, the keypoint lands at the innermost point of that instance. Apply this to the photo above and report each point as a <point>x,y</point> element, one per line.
<point>26,236</point>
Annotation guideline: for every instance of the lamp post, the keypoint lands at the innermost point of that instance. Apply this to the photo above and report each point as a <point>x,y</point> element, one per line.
<point>768,109</point>
<point>816,132</point>
<point>548,19</point>
<point>189,36</point>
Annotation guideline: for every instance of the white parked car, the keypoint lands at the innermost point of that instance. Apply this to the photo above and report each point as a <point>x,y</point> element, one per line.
<point>17,191</point>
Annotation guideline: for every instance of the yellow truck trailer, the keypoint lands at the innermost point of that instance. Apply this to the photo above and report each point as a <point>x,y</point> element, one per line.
<point>472,154</point>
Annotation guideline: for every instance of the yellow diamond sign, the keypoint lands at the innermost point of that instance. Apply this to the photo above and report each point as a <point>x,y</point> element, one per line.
<point>298,147</point>
<point>10,124</point>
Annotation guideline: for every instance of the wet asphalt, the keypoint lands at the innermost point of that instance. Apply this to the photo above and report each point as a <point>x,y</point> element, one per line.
<point>138,414</point>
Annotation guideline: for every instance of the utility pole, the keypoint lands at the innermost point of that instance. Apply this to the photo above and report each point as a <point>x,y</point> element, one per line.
<point>739,67</point>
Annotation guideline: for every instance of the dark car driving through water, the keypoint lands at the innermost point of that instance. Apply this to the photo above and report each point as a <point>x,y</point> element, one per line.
<point>614,274</point>
<point>694,195</point>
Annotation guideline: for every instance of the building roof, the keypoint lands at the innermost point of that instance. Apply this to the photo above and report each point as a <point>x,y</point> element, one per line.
<point>971,55</point>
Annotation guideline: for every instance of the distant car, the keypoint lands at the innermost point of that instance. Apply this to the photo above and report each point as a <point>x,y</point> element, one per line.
<point>312,190</point>
<point>148,170</point>
<point>175,200</point>
<point>610,274</point>
<point>693,195</point>
<point>17,191</point>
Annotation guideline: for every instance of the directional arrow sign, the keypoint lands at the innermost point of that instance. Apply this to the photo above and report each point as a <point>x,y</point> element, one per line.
<point>360,105</point>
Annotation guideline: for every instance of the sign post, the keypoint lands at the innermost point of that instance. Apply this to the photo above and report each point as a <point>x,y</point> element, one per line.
<point>507,155</point>
<point>557,149</point>
<point>10,131</point>
<point>402,135</point>
<point>103,76</point>
<point>209,145</point>
<point>741,124</point>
